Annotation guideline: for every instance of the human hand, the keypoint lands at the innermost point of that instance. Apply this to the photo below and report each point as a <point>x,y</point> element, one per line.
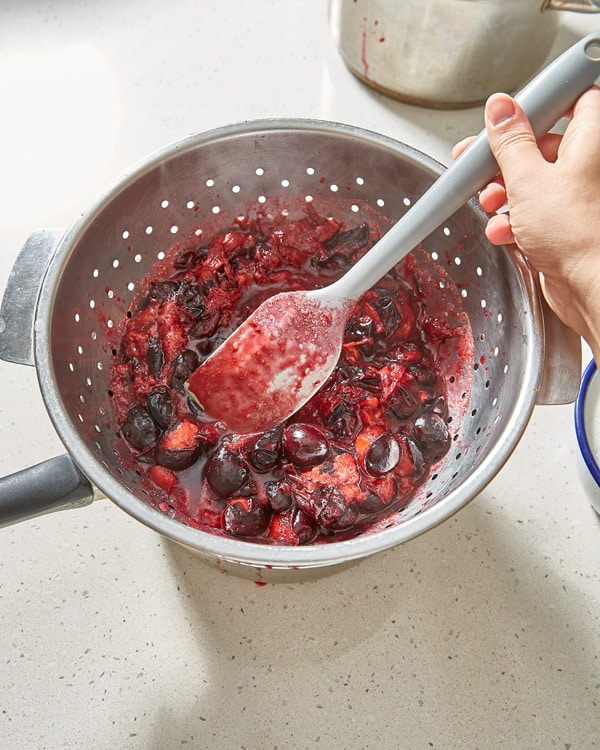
<point>552,190</point>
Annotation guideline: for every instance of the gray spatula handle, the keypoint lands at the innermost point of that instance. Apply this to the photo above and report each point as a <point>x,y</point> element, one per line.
<point>545,100</point>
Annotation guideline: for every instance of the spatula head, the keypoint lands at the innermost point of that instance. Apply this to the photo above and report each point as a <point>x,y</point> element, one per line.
<point>273,363</point>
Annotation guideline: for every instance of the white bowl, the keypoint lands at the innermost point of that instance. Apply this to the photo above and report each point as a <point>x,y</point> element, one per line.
<point>587,429</point>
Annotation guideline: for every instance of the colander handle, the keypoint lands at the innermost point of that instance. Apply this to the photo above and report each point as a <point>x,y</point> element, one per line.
<point>56,484</point>
<point>17,313</point>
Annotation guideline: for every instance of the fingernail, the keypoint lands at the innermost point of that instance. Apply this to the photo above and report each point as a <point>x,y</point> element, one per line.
<point>499,109</point>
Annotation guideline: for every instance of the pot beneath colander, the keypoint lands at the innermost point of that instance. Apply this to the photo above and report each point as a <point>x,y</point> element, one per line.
<point>92,272</point>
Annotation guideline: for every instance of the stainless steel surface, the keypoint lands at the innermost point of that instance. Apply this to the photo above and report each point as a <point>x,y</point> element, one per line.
<point>99,261</point>
<point>20,297</point>
<point>582,6</point>
<point>562,360</point>
<point>445,53</point>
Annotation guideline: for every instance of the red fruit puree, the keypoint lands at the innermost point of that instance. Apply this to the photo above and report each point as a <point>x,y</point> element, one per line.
<point>354,452</point>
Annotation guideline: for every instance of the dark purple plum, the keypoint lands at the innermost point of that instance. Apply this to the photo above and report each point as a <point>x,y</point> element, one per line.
<point>266,452</point>
<point>183,366</point>
<point>139,428</point>
<point>160,407</point>
<point>382,455</point>
<point>305,445</point>
<point>432,433</point>
<point>245,516</point>
<point>155,357</point>
<point>226,471</point>
<point>279,496</point>
<point>180,446</point>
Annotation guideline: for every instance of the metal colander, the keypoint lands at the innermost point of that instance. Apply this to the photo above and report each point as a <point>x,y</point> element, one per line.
<point>205,180</point>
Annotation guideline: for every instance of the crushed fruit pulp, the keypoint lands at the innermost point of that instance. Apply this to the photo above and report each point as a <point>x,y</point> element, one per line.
<point>355,451</point>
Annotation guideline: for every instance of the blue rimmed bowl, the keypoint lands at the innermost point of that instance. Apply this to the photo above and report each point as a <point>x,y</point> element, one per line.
<point>587,429</point>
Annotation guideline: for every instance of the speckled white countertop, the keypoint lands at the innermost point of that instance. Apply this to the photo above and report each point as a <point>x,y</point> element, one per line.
<point>483,633</point>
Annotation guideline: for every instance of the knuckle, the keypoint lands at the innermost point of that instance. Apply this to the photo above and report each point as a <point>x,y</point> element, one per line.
<point>511,140</point>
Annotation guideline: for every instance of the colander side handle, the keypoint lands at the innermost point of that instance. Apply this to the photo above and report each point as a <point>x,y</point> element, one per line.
<point>55,484</point>
<point>17,313</point>
<point>561,375</point>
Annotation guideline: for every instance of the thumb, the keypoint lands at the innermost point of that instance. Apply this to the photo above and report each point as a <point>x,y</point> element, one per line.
<point>510,136</point>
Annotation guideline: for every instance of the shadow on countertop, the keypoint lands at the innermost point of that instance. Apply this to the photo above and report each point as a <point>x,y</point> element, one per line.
<point>455,639</point>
